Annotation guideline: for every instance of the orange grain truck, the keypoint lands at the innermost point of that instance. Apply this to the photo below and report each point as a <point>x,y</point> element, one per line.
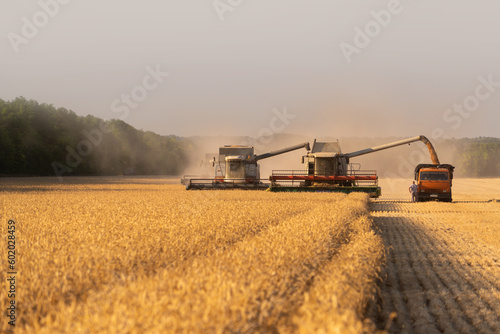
<point>434,182</point>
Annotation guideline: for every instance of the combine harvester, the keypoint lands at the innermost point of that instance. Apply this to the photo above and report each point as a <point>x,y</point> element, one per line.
<point>235,168</point>
<point>327,169</point>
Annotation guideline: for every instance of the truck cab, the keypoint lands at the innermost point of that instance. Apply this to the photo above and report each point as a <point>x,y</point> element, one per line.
<point>434,182</point>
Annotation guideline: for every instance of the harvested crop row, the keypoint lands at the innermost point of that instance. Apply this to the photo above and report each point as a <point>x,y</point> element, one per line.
<point>79,239</point>
<point>256,285</point>
<point>400,207</point>
<point>437,280</point>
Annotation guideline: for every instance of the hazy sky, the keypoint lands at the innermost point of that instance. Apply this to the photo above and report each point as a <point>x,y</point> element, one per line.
<point>339,68</point>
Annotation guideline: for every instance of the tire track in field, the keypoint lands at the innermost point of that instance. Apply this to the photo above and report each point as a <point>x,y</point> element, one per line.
<point>437,280</point>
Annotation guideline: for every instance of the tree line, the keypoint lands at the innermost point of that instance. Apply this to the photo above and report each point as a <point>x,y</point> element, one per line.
<point>477,157</point>
<point>41,140</point>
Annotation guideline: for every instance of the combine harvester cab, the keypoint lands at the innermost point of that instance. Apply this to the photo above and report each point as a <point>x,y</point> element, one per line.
<point>434,182</point>
<point>236,168</point>
<point>327,169</point>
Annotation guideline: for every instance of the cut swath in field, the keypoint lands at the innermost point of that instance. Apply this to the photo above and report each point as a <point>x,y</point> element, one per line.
<point>438,279</point>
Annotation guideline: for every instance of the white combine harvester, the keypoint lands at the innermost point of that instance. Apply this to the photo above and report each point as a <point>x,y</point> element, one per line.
<point>235,167</point>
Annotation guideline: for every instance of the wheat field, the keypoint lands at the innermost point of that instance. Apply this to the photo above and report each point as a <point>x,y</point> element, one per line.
<point>132,255</point>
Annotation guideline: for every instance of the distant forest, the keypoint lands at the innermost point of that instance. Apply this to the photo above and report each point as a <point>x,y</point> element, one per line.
<point>41,140</point>
<point>478,157</point>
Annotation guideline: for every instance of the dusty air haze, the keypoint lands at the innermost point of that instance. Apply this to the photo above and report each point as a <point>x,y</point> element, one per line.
<point>336,68</point>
